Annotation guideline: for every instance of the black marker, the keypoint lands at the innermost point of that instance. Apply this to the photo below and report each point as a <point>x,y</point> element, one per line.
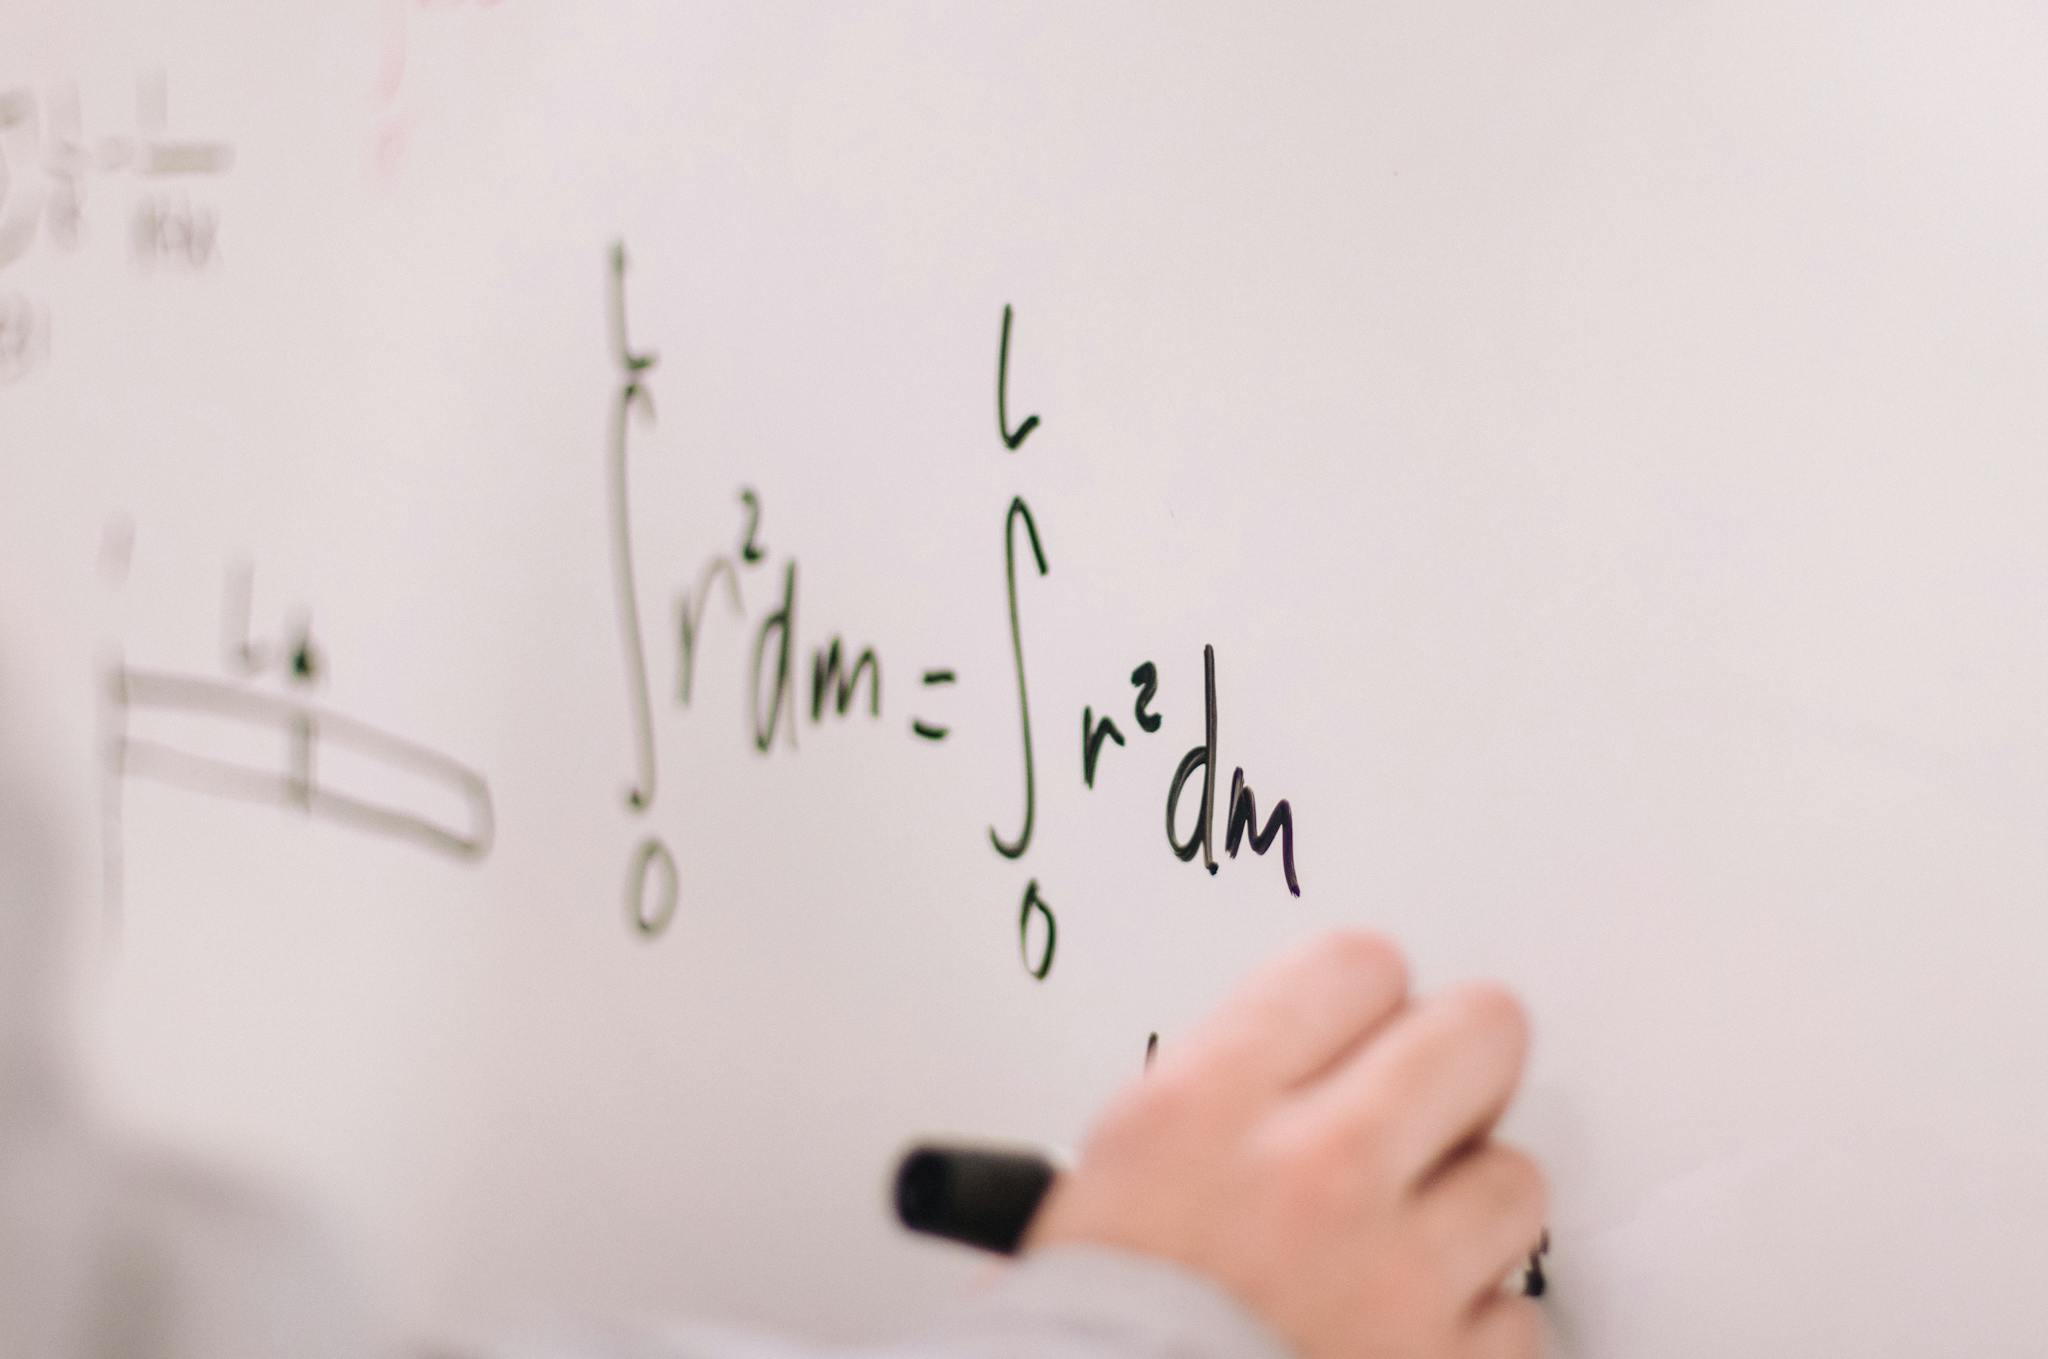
<point>987,1196</point>
<point>978,1196</point>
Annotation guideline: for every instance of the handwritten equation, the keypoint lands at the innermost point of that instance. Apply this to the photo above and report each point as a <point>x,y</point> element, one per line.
<point>50,168</point>
<point>846,678</point>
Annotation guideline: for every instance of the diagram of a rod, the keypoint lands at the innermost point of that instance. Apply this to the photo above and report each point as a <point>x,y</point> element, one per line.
<point>219,739</point>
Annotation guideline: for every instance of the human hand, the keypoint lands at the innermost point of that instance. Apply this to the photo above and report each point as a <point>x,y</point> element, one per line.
<point>1322,1147</point>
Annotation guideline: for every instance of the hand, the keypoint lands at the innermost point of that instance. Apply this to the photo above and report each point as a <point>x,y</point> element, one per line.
<point>1322,1148</point>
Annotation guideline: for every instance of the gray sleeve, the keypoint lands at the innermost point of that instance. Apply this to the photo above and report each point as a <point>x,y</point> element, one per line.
<point>1078,1302</point>
<point>1065,1303</point>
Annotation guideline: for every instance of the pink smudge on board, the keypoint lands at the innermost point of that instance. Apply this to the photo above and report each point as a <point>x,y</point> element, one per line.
<point>396,120</point>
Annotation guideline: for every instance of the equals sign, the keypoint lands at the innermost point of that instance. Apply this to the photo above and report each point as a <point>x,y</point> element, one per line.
<point>926,729</point>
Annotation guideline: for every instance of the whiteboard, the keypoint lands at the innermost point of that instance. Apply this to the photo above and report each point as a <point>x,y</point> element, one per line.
<point>1603,448</point>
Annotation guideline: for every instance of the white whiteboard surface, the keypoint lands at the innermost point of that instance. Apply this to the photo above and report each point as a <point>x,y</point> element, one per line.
<point>1606,447</point>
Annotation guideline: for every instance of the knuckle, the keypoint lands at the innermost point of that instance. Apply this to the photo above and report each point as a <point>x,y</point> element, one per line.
<point>1317,1163</point>
<point>1368,1134</point>
<point>1300,1151</point>
<point>1366,953</point>
<point>1353,1127</point>
<point>1496,1011</point>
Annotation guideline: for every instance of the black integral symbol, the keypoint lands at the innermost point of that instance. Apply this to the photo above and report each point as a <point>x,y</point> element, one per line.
<point>1014,849</point>
<point>632,394</point>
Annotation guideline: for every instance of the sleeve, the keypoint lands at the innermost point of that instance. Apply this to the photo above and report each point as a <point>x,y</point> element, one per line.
<point>1068,1302</point>
<point>1079,1302</point>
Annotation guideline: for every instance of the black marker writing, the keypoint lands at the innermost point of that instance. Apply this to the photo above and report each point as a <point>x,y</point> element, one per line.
<point>1202,757</point>
<point>690,617</point>
<point>1146,678</point>
<point>1244,810</point>
<point>1010,441</point>
<point>1093,734</point>
<point>632,393</point>
<point>24,323</point>
<point>1014,849</point>
<point>828,676</point>
<point>751,550</point>
<point>1244,816</point>
<point>296,782</point>
<point>1035,905</point>
<point>650,860</point>
<point>783,623</point>
<point>845,677</point>
<point>242,655</point>
<point>831,681</point>
<point>930,731</point>
<point>169,228</point>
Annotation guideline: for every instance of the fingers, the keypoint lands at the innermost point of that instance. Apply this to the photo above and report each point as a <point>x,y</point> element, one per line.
<point>1436,1079</point>
<point>1506,1327</point>
<point>1306,1010</point>
<point>1483,1215</point>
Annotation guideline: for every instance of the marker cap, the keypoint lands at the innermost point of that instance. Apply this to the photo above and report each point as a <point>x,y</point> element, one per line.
<point>978,1196</point>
